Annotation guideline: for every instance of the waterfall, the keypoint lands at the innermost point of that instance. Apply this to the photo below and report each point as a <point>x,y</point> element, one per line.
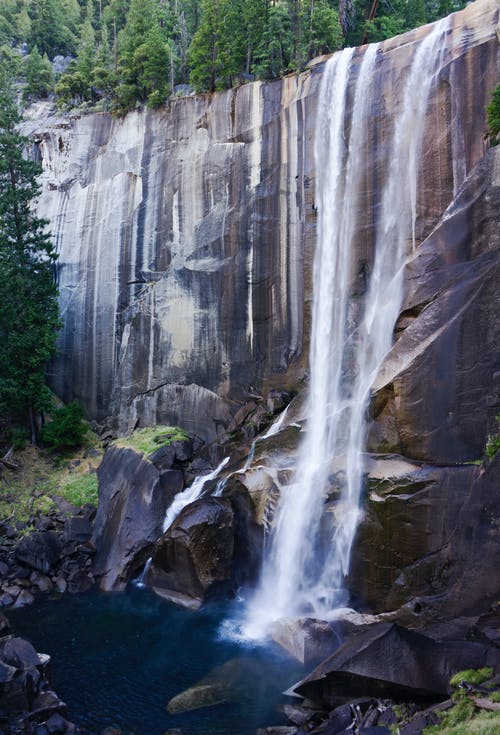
<point>349,337</point>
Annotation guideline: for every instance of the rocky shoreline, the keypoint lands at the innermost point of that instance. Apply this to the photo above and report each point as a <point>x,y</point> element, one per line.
<point>55,557</point>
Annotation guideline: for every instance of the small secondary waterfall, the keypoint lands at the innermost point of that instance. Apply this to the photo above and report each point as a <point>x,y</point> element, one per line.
<point>349,339</point>
<point>190,494</point>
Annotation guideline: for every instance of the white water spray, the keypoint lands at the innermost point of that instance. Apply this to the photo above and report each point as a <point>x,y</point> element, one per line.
<point>346,351</point>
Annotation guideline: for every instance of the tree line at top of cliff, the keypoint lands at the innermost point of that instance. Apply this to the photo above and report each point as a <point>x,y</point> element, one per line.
<point>119,54</point>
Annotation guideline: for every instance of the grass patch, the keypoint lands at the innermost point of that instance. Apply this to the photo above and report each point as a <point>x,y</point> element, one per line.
<point>472,676</point>
<point>81,490</point>
<point>28,491</point>
<point>148,440</point>
<point>464,718</point>
<point>482,723</point>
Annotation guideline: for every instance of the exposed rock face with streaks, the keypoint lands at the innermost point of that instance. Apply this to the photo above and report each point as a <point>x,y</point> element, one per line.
<point>185,235</point>
<point>186,238</point>
<point>181,237</point>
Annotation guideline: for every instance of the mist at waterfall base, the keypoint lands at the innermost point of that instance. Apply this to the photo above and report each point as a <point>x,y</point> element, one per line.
<point>119,658</point>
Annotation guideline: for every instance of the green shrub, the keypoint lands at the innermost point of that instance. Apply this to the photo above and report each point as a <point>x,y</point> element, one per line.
<point>67,428</point>
<point>483,723</point>
<point>493,442</point>
<point>493,116</point>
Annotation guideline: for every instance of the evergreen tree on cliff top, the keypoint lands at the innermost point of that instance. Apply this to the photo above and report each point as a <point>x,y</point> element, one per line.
<point>29,315</point>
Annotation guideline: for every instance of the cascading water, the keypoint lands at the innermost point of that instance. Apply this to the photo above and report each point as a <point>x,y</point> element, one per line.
<point>346,350</point>
<point>190,494</point>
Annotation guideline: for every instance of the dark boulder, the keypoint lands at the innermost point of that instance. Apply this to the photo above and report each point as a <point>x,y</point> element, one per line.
<point>194,559</point>
<point>40,550</point>
<point>389,661</point>
<point>78,529</point>
<point>133,498</point>
<point>4,625</point>
<point>171,455</point>
<point>27,702</point>
<point>172,482</point>
<point>444,559</point>
<point>18,652</point>
<point>163,458</point>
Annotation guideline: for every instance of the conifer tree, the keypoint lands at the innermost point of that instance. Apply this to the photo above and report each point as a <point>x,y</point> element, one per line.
<point>103,77</point>
<point>29,314</point>
<point>39,76</point>
<point>144,57</point>
<point>217,52</point>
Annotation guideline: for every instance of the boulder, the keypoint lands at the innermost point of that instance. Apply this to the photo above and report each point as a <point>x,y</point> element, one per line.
<point>307,639</point>
<point>428,542</point>
<point>40,550</point>
<point>24,598</point>
<point>133,498</point>
<point>389,661</point>
<point>163,458</point>
<point>4,625</point>
<point>18,652</point>
<point>193,560</point>
<point>78,529</point>
<point>27,702</point>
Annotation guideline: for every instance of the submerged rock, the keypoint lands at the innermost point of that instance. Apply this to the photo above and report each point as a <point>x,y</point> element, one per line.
<point>236,680</point>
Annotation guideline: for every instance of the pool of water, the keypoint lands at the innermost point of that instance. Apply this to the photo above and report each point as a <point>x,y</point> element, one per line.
<point>117,659</point>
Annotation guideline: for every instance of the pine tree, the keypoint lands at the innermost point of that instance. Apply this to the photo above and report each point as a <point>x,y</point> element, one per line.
<point>103,77</point>
<point>29,314</point>
<point>217,52</point>
<point>144,57</point>
<point>322,32</point>
<point>274,54</point>
<point>49,30</point>
<point>39,76</point>
<point>254,16</point>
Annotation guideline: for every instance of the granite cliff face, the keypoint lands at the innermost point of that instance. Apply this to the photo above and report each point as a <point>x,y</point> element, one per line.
<point>186,239</point>
<point>181,236</point>
<point>185,235</point>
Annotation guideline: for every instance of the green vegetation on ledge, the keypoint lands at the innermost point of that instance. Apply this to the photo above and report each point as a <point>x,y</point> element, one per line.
<point>474,677</point>
<point>493,442</point>
<point>148,440</point>
<point>493,116</point>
